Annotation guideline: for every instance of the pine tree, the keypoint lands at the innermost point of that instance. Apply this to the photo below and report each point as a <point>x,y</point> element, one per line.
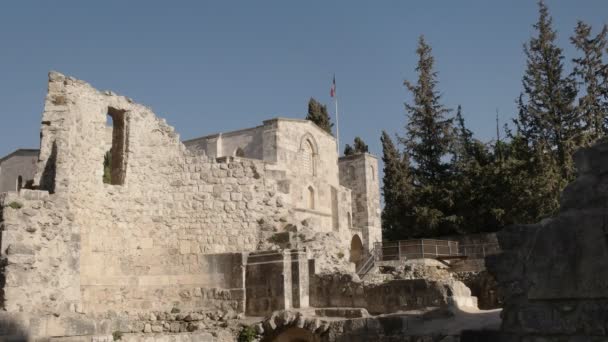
<point>592,74</point>
<point>473,211</point>
<point>396,189</point>
<point>348,150</point>
<point>428,132</point>
<point>428,141</point>
<point>547,115</point>
<point>360,146</point>
<point>463,141</point>
<point>317,113</point>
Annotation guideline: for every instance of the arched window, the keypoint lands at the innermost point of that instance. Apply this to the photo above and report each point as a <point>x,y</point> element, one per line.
<point>307,157</point>
<point>311,198</point>
<point>239,152</point>
<point>371,169</point>
<point>350,220</point>
<point>19,183</point>
<point>351,171</point>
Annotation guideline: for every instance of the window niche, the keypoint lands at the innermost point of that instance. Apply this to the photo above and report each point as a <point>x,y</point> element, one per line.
<point>311,198</point>
<point>115,160</point>
<point>239,152</point>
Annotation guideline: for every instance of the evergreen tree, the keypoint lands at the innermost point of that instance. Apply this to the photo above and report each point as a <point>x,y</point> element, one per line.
<point>348,150</point>
<point>428,141</point>
<point>428,132</point>
<point>547,115</point>
<point>317,113</point>
<point>360,146</point>
<point>463,142</point>
<point>396,190</point>
<point>592,74</point>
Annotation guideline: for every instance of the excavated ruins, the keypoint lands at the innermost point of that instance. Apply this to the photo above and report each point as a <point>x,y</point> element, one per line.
<point>265,234</point>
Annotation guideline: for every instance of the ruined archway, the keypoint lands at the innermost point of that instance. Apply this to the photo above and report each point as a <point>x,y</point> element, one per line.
<point>295,334</point>
<point>356,249</point>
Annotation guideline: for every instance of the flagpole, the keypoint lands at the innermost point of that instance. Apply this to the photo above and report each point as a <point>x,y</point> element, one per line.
<point>337,126</point>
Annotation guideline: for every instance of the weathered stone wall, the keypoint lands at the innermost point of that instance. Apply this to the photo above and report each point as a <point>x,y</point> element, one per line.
<point>553,274</point>
<point>250,142</point>
<point>147,238</point>
<point>303,159</point>
<point>21,163</point>
<point>276,280</point>
<point>340,290</point>
<point>359,172</point>
<point>40,252</point>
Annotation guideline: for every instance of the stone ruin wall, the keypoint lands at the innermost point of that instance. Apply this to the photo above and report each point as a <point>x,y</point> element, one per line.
<point>92,247</point>
<point>554,274</point>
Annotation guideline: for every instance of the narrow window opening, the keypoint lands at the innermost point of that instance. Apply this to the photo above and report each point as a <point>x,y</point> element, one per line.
<point>239,152</point>
<point>350,220</point>
<point>351,171</point>
<point>114,161</point>
<point>311,198</point>
<point>334,209</point>
<point>307,157</point>
<point>371,169</point>
<point>19,183</point>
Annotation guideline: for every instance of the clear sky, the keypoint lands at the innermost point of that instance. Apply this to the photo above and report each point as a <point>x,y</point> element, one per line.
<point>212,66</point>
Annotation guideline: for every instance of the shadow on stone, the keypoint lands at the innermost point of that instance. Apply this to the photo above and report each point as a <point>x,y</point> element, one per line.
<point>11,330</point>
<point>47,181</point>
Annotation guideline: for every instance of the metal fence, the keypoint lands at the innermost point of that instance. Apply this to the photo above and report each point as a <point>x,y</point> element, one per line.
<point>430,248</point>
<point>479,251</point>
<point>415,249</point>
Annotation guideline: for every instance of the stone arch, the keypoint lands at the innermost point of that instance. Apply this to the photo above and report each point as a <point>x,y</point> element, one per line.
<point>19,183</point>
<point>307,155</point>
<point>310,197</point>
<point>279,327</point>
<point>356,249</point>
<point>239,152</point>
<point>295,334</point>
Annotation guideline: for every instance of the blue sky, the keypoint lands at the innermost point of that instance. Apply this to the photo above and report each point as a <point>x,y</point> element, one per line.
<point>211,66</point>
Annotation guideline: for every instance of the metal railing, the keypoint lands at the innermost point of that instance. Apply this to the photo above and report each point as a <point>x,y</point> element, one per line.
<point>431,248</point>
<point>416,249</point>
<point>423,248</point>
<point>479,251</point>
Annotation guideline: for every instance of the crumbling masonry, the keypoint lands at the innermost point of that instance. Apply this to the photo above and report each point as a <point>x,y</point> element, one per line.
<point>176,226</point>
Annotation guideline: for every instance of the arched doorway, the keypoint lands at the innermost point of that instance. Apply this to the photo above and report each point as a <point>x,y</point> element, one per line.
<point>356,250</point>
<point>295,334</point>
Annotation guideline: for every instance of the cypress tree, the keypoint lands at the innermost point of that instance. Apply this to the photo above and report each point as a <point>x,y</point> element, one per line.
<point>317,113</point>
<point>360,146</point>
<point>348,150</point>
<point>591,73</point>
<point>396,190</point>
<point>428,141</point>
<point>547,115</point>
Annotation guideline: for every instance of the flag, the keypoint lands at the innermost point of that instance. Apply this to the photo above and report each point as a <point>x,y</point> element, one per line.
<point>332,91</point>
